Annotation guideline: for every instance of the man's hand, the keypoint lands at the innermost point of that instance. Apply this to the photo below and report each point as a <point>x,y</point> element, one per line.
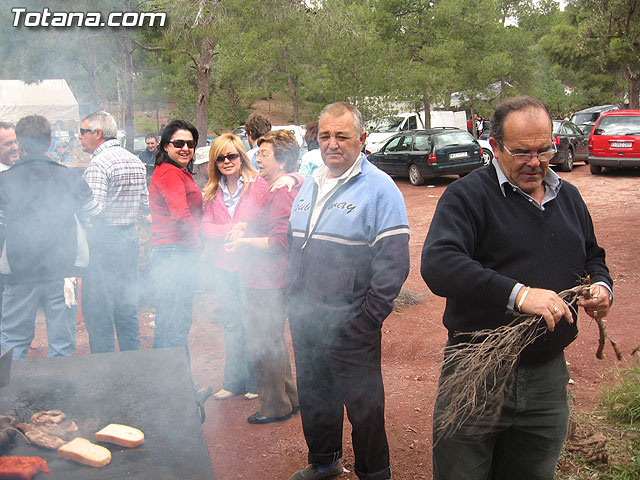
<point>598,305</point>
<point>546,303</point>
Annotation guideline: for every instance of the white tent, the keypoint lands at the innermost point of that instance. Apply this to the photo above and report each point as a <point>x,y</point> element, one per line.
<point>52,99</point>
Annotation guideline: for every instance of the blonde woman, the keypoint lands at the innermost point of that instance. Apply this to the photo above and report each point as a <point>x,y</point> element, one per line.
<point>231,196</point>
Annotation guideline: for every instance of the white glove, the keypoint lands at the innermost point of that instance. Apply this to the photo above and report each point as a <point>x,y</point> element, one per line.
<point>70,291</point>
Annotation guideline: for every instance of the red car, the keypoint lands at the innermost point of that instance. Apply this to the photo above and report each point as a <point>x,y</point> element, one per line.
<point>615,141</point>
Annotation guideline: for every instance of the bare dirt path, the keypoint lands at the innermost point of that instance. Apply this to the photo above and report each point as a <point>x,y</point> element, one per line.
<point>412,347</point>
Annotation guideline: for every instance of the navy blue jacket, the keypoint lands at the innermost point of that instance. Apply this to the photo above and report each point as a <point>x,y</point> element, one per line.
<point>481,243</point>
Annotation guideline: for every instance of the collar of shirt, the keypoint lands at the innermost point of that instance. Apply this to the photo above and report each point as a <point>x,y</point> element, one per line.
<point>108,144</point>
<point>551,182</point>
<point>320,173</point>
<point>230,200</point>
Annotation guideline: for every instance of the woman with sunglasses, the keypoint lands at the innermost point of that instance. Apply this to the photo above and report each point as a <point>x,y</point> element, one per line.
<point>263,245</point>
<point>176,212</point>
<point>231,197</point>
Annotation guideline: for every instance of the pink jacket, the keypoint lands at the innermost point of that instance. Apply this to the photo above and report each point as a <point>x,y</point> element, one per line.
<point>216,223</point>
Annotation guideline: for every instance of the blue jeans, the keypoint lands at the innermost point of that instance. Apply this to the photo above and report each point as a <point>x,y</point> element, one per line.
<point>173,277</point>
<point>110,289</point>
<point>523,442</point>
<point>238,368</point>
<point>20,302</point>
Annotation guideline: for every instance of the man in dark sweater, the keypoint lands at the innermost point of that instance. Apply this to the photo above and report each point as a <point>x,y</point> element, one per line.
<point>504,240</point>
<point>42,207</point>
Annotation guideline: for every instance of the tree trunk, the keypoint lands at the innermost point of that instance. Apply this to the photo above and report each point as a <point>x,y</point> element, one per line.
<point>124,43</point>
<point>119,91</point>
<point>292,80</point>
<point>427,108</point>
<point>634,88</point>
<point>203,88</point>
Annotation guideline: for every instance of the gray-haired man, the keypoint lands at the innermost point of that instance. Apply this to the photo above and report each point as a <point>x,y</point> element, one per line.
<point>110,288</point>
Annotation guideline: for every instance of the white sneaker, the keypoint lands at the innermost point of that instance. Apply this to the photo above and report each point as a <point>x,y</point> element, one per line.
<point>222,394</point>
<point>251,396</point>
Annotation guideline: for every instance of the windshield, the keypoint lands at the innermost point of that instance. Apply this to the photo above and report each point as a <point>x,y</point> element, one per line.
<point>618,126</point>
<point>388,124</point>
<point>583,118</point>
<point>454,138</point>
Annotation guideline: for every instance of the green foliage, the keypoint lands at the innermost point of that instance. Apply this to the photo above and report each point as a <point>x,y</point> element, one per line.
<point>622,400</point>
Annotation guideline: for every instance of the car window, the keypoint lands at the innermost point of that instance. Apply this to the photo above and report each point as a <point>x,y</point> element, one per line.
<point>582,118</point>
<point>618,125</point>
<point>412,123</point>
<point>574,129</point>
<point>454,138</point>
<point>392,146</point>
<point>422,143</point>
<point>404,145</point>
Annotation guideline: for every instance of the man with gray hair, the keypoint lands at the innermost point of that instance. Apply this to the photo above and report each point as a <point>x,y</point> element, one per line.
<point>110,288</point>
<point>348,259</point>
<point>42,208</point>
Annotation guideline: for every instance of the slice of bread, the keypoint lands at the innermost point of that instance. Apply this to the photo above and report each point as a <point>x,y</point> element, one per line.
<point>122,435</point>
<point>83,451</point>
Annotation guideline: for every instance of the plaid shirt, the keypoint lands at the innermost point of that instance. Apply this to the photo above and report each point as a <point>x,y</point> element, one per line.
<point>118,180</point>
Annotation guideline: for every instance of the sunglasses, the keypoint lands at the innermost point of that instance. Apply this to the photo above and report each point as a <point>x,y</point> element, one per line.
<point>182,143</point>
<point>231,157</point>
<point>85,130</point>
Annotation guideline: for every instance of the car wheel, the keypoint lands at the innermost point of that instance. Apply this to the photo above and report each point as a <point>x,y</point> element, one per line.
<point>487,156</point>
<point>595,169</point>
<point>415,177</point>
<point>567,165</point>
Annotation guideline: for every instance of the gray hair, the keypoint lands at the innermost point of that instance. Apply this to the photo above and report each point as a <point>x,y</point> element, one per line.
<point>339,108</point>
<point>105,122</point>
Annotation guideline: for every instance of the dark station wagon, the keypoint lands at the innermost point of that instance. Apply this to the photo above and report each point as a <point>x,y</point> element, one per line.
<point>420,154</point>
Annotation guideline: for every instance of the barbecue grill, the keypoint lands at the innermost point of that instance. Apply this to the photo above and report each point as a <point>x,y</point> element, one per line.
<point>146,389</point>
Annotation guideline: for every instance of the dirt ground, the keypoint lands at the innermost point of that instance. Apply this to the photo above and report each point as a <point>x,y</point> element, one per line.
<point>412,347</point>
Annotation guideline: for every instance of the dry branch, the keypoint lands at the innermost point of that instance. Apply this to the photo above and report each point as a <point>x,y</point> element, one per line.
<point>483,365</point>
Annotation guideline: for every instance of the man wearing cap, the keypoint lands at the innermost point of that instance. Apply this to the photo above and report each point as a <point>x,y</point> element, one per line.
<point>42,208</point>
<point>110,288</point>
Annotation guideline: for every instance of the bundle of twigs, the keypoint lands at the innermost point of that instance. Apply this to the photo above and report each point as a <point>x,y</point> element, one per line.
<point>483,365</point>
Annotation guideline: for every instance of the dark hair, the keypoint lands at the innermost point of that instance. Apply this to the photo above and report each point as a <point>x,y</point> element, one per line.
<point>7,125</point>
<point>311,135</point>
<point>285,148</point>
<point>33,133</point>
<point>509,105</point>
<point>151,135</point>
<point>162,156</point>
<point>257,126</point>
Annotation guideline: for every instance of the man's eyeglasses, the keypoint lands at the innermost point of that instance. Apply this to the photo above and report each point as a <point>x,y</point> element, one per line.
<point>230,156</point>
<point>526,157</point>
<point>182,143</point>
<point>85,130</point>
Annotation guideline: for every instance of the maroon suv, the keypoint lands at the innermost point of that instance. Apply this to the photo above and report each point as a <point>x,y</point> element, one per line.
<point>615,141</point>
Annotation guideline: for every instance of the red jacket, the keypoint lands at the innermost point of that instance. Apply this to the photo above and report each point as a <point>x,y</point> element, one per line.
<point>266,269</point>
<point>176,207</point>
<point>217,222</point>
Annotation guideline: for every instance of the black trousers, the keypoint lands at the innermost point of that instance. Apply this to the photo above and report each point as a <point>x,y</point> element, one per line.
<point>331,377</point>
